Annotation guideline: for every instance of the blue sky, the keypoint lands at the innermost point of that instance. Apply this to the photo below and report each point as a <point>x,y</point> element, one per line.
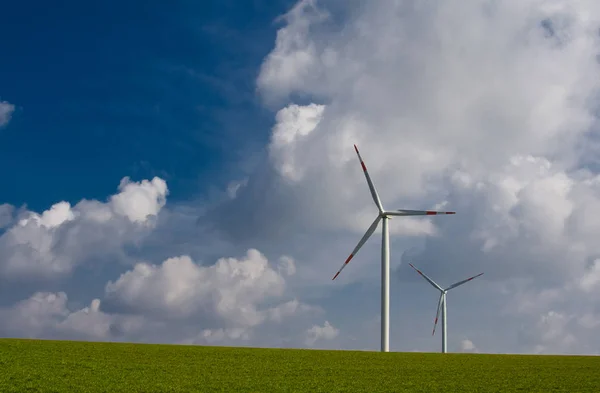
<point>104,89</point>
<point>235,124</point>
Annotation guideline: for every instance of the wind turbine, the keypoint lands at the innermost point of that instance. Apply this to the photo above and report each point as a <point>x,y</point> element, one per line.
<point>442,303</point>
<point>384,216</point>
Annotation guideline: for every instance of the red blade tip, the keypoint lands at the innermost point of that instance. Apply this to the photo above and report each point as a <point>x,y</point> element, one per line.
<point>336,274</point>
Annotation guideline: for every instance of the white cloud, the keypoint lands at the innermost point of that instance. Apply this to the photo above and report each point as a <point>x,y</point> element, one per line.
<point>57,215</point>
<point>467,345</point>
<point>233,302</point>
<point>486,109</point>
<point>44,312</point>
<point>497,82</point>
<point>317,333</point>
<point>293,123</point>
<point>437,103</point>
<point>295,56</point>
<point>234,293</point>
<point>498,113</point>
<point>292,308</point>
<point>138,201</point>
<point>209,336</point>
<point>51,244</point>
<point>6,111</point>
<point>47,315</point>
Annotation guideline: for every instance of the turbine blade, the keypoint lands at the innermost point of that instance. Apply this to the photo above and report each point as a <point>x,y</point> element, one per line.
<point>462,282</point>
<point>360,244</point>
<point>404,212</point>
<point>437,314</point>
<point>371,186</point>
<point>426,278</point>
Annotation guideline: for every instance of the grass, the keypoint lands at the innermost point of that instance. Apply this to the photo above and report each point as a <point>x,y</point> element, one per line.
<point>64,366</point>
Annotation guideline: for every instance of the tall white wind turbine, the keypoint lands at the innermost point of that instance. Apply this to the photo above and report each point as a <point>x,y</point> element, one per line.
<point>442,303</point>
<point>384,216</point>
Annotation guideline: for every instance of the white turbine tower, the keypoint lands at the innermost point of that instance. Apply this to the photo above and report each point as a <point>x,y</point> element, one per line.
<point>385,252</point>
<point>442,303</point>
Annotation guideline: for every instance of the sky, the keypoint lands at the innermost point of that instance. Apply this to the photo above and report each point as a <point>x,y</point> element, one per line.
<point>185,173</point>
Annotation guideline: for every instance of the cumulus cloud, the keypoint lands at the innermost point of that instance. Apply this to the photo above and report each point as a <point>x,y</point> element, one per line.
<point>232,293</point>
<point>293,123</point>
<point>517,82</point>
<point>291,308</point>
<point>403,104</point>
<point>219,335</point>
<point>467,345</point>
<point>317,333</point>
<point>6,111</point>
<point>51,244</point>
<point>485,108</point>
<point>138,201</point>
<point>527,219</point>
<point>48,315</point>
<point>177,301</point>
<point>295,57</point>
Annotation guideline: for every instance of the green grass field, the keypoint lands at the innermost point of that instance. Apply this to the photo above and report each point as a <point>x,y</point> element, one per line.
<point>61,366</point>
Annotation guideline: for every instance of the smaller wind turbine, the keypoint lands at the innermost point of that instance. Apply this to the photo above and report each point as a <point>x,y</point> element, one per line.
<point>442,303</point>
